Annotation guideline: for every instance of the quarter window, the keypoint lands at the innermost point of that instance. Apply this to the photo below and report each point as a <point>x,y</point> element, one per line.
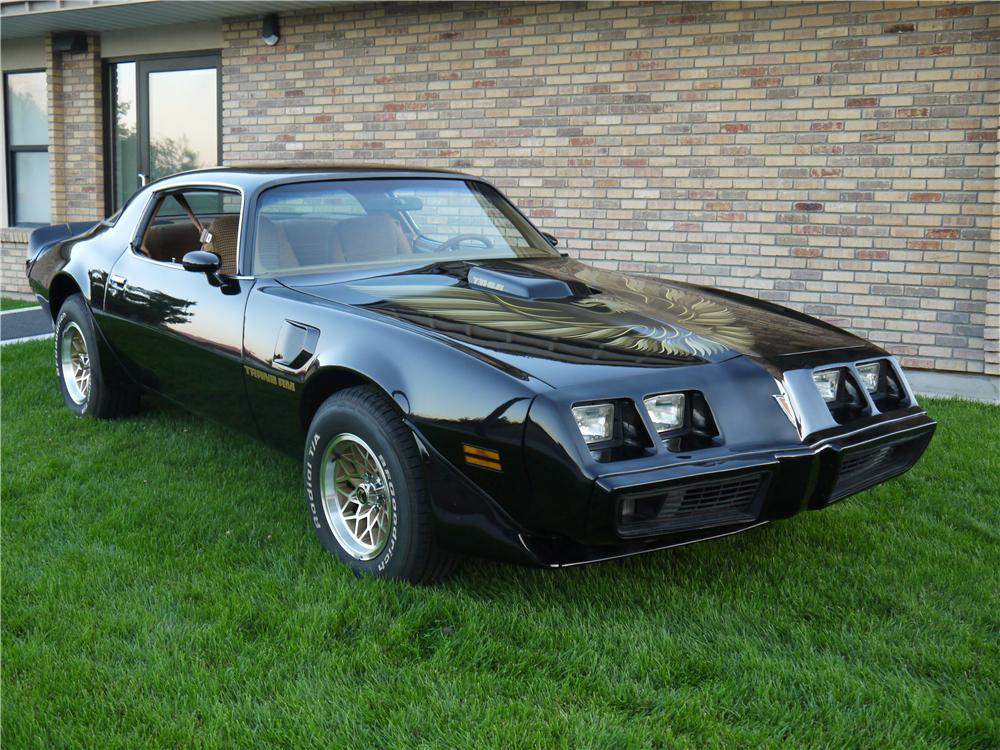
<point>26,108</point>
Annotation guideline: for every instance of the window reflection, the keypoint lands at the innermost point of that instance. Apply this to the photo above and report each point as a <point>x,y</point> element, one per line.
<point>183,121</point>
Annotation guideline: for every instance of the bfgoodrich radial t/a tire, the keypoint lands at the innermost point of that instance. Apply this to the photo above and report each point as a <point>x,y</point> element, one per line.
<point>365,489</point>
<point>83,382</point>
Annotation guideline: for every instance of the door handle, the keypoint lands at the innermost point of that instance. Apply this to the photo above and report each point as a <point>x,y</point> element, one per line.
<point>117,282</point>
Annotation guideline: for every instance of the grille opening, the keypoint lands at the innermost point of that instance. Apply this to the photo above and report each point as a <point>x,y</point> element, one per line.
<point>863,467</point>
<point>850,402</point>
<point>693,505</point>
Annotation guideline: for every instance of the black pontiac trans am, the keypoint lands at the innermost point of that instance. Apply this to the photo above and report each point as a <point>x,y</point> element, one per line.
<point>452,382</point>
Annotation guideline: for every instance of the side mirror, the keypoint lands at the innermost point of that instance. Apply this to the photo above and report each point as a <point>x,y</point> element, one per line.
<point>202,261</point>
<point>550,238</point>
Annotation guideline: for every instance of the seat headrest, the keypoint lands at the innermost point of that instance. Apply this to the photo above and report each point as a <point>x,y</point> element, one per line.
<point>376,235</point>
<point>225,232</point>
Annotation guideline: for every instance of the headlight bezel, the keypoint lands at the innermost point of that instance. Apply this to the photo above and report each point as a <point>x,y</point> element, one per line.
<point>611,419</point>
<point>865,368</point>
<point>683,408</point>
<point>832,376</point>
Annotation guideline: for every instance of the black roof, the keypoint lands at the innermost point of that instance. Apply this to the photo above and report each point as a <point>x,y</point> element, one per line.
<point>255,176</point>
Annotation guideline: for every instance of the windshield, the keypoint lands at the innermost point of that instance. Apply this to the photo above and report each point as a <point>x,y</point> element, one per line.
<point>312,226</point>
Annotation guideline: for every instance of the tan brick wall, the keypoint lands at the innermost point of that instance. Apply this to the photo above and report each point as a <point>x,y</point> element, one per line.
<point>76,151</point>
<point>839,158</point>
<point>13,251</point>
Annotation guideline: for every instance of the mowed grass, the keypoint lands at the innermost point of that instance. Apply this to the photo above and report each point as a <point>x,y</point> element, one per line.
<point>10,303</point>
<point>162,587</point>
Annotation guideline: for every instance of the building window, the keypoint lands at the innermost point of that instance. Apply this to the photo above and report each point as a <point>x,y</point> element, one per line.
<point>27,118</point>
<point>163,117</point>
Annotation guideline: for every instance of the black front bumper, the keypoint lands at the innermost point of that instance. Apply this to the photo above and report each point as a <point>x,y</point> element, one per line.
<point>697,501</point>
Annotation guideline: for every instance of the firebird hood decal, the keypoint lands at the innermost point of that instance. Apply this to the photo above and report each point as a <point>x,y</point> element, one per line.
<point>608,317</point>
<point>584,322</point>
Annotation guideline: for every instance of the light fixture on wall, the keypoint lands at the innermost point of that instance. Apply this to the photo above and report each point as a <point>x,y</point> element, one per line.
<point>269,31</point>
<point>69,41</point>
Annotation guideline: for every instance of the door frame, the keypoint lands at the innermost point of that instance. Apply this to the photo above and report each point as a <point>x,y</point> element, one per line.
<point>146,64</point>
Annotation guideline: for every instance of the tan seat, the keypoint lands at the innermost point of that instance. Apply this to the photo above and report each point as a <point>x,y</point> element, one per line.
<point>313,241</point>
<point>273,248</point>
<point>169,242</point>
<point>373,237</point>
<point>225,233</point>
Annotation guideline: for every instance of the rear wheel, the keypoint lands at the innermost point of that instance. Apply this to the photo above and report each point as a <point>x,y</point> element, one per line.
<point>365,489</point>
<point>84,385</point>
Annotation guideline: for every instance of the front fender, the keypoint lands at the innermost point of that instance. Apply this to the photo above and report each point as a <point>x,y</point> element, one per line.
<point>451,396</point>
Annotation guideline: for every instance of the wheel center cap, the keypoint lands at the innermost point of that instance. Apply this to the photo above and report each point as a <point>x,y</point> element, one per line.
<point>367,493</point>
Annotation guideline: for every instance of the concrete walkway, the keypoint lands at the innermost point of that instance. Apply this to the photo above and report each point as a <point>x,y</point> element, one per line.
<point>26,324</point>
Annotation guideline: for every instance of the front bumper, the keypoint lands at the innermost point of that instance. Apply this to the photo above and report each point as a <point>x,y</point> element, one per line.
<point>702,500</point>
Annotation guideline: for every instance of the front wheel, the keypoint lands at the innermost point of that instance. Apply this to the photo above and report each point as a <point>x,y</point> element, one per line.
<point>365,489</point>
<point>85,388</point>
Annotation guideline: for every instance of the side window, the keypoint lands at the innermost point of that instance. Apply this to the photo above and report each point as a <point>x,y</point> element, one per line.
<point>194,219</point>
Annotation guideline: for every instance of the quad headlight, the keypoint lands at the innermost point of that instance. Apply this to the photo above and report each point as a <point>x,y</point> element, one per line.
<point>596,421</point>
<point>666,411</point>
<point>827,383</point>
<point>870,374</point>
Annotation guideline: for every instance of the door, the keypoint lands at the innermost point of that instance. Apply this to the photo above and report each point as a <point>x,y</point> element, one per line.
<point>181,332</point>
<point>163,118</point>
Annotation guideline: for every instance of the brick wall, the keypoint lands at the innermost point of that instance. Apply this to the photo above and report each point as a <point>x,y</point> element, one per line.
<point>76,151</point>
<point>13,251</point>
<point>839,158</point>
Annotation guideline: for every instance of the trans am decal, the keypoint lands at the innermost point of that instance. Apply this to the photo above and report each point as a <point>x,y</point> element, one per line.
<point>267,377</point>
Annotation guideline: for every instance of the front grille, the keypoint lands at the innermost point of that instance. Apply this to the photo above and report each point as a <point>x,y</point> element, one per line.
<point>693,505</point>
<point>864,467</point>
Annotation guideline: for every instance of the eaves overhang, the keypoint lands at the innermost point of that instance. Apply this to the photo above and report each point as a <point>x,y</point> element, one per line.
<point>29,18</point>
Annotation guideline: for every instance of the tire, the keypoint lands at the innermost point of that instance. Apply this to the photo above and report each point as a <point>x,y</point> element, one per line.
<point>82,380</point>
<point>365,490</point>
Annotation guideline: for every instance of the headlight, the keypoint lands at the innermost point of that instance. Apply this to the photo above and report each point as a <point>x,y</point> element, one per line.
<point>870,375</point>
<point>827,382</point>
<point>596,421</point>
<point>666,411</point>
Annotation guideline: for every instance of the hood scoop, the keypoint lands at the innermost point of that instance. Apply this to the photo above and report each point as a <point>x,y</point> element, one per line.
<point>525,286</point>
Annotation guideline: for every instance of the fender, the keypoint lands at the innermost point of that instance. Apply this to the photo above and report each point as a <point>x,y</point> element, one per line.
<point>450,399</point>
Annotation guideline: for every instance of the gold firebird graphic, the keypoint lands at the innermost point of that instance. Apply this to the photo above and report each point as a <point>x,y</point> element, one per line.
<point>705,327</point>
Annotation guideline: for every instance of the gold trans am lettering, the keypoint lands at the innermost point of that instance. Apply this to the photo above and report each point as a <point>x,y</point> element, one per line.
<point>268,378</point>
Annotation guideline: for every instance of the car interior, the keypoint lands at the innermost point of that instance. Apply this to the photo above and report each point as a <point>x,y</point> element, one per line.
<point>316,241</point>
<point>193,220</point>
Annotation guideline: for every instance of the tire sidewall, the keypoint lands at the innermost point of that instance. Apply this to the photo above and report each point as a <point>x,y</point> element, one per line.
<point>335,418</point>
<point>74,310</point>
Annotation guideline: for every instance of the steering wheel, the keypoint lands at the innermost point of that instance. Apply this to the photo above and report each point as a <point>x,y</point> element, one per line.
<point>450,244</point>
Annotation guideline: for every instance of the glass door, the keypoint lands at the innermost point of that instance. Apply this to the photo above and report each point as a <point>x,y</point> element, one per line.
<point>163,118</point>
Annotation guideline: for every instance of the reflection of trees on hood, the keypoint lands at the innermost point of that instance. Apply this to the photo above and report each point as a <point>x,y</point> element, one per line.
<point>579,321</point>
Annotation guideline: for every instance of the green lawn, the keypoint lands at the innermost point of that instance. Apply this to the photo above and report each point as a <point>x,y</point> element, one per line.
<point>9,303</point>
<point>162,588</point>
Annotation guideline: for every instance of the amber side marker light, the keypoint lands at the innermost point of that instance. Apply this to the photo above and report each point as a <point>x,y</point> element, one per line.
<point>482,457</point>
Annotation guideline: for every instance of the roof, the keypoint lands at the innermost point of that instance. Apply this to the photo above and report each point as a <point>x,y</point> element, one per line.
<point>252,177</point>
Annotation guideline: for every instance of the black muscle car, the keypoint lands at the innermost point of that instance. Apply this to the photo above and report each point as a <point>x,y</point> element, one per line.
<point>454,383</point>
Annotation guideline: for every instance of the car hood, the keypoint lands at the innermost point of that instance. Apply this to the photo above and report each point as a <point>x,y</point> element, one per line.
<point>541,314</point>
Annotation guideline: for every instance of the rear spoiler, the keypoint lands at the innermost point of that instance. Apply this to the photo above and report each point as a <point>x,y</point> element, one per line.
<point>45,237</point>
